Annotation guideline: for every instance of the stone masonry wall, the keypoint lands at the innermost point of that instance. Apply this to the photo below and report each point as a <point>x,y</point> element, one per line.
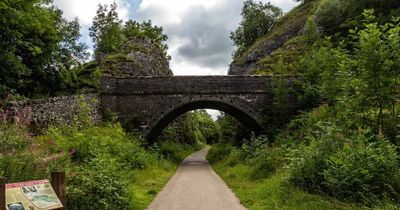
<point>58,110</point>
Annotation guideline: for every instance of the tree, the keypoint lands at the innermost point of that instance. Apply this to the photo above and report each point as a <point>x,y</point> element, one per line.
<point>335,18</point>
<point>257,20</point>
<point>208,128</point>
<point>35,47</point>
<point>71,53</point>
<point>303,1</point>
<point>276,116</point>
<point>106,31</point>
<point>375,65</point>
<point>363,81</point>
<point>324,68</point>
<point>146,29</point>
<point>231,130</point>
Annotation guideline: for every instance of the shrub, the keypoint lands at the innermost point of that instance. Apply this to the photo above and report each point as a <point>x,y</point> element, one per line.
<point>267,160</point>
<point>88,143</point>
<point>101,158</point>
<point>174,151</point>
<point>309,159</point>
<point>364,170</point>
<point>257,152</point>
<point>358,167</point>
<point>253,147</point>
<point>22,158</point>
<point>265,163</point>
<point>337,16</point>
<point>97,186</point>
<point>219,152</point>
<point>12,137</point>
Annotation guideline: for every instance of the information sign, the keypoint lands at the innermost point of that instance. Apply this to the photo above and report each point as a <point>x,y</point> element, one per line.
<point>32,195</point>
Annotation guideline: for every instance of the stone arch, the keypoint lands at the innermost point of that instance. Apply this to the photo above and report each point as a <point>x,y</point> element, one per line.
<point>240,113</point>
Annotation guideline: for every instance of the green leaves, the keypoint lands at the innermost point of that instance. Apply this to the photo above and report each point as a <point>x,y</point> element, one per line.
<point>362,171</point>
<point>108,33</point>
<point>257,19</point>
<point>375,65</point>
<point>37,46</point>
<point>360,83</point>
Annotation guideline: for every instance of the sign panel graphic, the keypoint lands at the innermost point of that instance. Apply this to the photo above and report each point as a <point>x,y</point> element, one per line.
<point>32,195</point>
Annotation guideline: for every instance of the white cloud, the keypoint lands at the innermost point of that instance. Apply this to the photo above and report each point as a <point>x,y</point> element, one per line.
<point>188,68</point>
<point>214,113</point>
<point>198,30</point>
<point>85,10</point>
<point>170,11</point>
<point>285,5</point>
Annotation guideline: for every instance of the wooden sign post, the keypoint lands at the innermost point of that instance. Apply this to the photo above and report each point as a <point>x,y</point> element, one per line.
<point>2,193</point>
<point>58,183</point>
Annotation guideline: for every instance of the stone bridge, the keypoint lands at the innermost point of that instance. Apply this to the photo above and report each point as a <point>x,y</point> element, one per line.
<point>157,101</point>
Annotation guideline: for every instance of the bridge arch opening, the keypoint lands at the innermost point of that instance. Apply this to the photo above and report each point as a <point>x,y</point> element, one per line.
<point>166,118</point>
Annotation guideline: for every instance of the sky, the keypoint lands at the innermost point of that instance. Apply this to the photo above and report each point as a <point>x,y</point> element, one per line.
<point>198,30</point>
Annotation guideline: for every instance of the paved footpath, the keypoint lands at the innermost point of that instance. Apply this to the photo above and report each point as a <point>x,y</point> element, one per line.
<point>195,186</point>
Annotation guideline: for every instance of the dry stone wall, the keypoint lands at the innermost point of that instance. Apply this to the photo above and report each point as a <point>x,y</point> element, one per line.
<point>58,110</point>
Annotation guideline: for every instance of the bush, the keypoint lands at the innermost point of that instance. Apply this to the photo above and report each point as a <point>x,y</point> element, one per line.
<point>173,151</point>
<point>88,143</point>
<point>363,171</point>
<point>309,159</point>
<point>337,16</point>
<point>267,161</point>
<point>357,167</point>
<point>257,152</point>
<point>219,152</point>
<point>97,186</point>
<point>102,160</point>
<point>22,158</point>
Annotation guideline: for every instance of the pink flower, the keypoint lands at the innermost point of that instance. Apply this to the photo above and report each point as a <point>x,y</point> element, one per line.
<point>73,174</point>
<point>72,152</point>
<point>33,147</point>
<point>13,152</point>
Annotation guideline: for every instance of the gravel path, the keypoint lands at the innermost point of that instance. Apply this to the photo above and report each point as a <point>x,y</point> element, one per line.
<point>195,186</point>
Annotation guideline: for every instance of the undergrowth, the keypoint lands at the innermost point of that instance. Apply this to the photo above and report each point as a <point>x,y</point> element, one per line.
<point>315,163</point>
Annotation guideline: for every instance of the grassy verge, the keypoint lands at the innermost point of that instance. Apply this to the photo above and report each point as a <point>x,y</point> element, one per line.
<point>273,192</point>
<point>106,167</point>
<point>145,184</point>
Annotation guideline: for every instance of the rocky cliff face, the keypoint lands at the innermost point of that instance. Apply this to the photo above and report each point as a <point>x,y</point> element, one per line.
<point>137,57</point>
<point>287,28</point>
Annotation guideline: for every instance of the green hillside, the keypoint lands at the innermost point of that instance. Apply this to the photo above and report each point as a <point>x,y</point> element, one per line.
<point>294,34</point>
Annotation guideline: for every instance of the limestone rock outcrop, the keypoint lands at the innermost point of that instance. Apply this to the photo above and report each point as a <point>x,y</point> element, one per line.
<point>288,27</point>
<point>137,57</point>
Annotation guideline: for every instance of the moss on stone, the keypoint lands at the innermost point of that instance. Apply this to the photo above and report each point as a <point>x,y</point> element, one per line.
<point>294,19</point>
<point>290,54</point>
<point>136,48</point>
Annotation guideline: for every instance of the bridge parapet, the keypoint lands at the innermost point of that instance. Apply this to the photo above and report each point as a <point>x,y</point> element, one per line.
<point>185,85</point>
